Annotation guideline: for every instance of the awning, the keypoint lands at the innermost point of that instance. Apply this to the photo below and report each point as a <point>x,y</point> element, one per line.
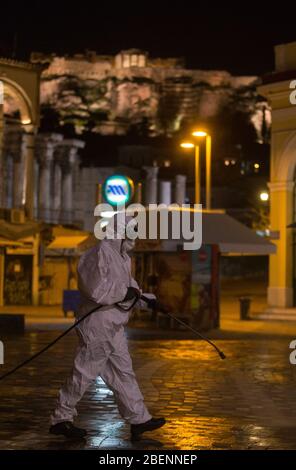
<point>233,237</point>
<point>66,238</point>
<point>17,231</point>
<point>218,228</point>
<point>58,237</point>
<point>4,242</point>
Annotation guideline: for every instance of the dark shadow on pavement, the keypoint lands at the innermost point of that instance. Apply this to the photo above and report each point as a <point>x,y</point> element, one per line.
<point>67,444</point>
<point>146,443</point>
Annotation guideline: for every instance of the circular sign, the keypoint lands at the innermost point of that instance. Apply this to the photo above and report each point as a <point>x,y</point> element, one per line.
<point>118,189</point>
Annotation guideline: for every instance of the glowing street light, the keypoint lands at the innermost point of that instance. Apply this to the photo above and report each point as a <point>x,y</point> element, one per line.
<point>202,133</point>
<point>191,145</point>
<point>187,145</point>
<point>264,196</point>
<point>199,134</point>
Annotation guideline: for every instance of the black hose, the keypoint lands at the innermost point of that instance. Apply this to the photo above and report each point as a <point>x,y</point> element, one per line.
<point>48,346</point>
<point>221,353</point>
<point>164,310</point>
<point>31,358</point>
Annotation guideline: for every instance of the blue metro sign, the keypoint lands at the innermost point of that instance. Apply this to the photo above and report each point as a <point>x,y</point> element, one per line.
<point>118,189</point>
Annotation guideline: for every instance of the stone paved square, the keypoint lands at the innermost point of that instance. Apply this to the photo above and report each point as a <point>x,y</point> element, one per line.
<point>247,401</point>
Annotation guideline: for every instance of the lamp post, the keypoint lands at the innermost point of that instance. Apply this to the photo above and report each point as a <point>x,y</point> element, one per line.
<point>200,133</point>
<point>264,196</point>
<point>191,145</point>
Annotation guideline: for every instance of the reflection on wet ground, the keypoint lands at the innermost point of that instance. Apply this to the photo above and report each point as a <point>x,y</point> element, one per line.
<point>247,401</point>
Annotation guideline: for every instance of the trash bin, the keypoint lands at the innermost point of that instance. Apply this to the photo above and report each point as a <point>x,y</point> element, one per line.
<point>71,301</point>
<point>245,303</point>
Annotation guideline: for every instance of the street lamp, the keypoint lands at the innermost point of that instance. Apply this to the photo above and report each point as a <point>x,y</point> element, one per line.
<point>191,145</point>
<point>201,133</point>
<point>264,196</point>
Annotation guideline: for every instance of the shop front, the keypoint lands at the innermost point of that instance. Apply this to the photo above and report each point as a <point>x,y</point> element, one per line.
<point>187,281</point>
<point>19,263</point>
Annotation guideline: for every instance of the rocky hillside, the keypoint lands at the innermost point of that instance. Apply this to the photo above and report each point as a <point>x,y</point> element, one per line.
<point>100,97</point>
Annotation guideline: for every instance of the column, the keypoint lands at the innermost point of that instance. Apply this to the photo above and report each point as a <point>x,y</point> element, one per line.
<point>165,192</point>
<point>180,189</point>
<point>57,191</point>
<point>280,289</point>
<point>9,182</point>
<point>36,187</point>
<point>28,190</point>
<point>1,140</point>
<point>45,146</point>
<point>67,158</point>
<point>67,191</point>
<point>151,184</point>
<point>14,154</point>
<point>35,270</point>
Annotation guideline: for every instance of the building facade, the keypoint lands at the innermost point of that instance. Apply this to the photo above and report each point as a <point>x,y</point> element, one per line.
<point>278,88</point>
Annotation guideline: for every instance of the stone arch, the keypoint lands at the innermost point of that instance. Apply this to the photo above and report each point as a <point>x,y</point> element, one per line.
<point>22,81</point>
<point>15,91</point>
<point>287,163</point>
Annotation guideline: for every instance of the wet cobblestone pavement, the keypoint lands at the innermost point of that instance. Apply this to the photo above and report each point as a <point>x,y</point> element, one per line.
<point>247,401</point>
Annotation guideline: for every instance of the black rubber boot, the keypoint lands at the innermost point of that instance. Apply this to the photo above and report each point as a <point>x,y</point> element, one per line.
<point>66,428</point>
<point>151,425</point>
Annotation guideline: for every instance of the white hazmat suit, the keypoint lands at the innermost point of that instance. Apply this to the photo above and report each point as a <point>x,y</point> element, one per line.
<point>104,275</point>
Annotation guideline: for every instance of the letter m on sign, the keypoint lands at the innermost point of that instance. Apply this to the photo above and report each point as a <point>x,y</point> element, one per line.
<point>116,189</point>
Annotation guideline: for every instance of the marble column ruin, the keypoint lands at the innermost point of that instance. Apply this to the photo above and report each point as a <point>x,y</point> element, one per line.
<point>66,160</point>
<point>13,194</point>
<point>180,189</point>
<point>45,146</point>
<point>165,192</point>
<point>151,184</point>
<point>1,138</point>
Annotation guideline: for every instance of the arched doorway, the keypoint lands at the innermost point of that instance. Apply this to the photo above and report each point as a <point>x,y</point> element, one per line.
<point>276,88</point>
<point>19,120</point>
<point>20,83</point>
<point>286,172</point>
<point>16,98</point>
<point>282,269</point>
<point>17,116</point>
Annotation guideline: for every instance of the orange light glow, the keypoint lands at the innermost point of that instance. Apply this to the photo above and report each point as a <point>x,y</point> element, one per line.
<point>199,133</point>
<point>187,145</point>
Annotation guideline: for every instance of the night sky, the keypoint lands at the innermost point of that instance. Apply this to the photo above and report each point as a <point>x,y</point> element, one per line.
<point>240,42</point>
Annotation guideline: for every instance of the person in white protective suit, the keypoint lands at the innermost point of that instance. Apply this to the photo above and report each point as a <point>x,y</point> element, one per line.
<point>104,279</point>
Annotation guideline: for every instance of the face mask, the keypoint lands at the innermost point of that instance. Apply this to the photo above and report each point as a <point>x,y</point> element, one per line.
<point>128,245</point>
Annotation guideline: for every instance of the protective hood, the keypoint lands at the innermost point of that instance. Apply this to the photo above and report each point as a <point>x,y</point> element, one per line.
<point>119,232</point>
